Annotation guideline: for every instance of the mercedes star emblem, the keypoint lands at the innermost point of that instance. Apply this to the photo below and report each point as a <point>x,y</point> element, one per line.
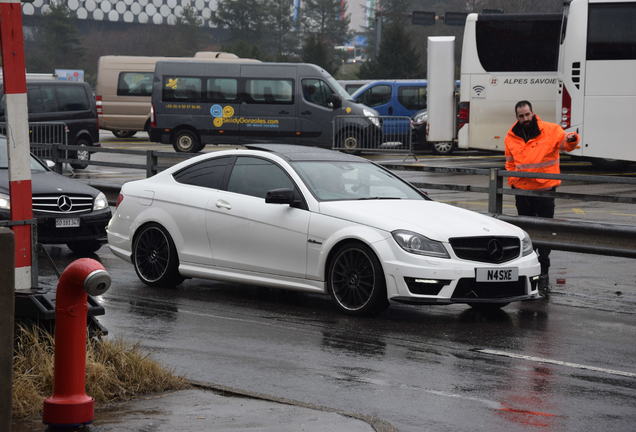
<point>64,203</point>
<point>495,250</point>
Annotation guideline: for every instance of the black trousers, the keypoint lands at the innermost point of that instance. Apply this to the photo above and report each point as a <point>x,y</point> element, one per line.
<point>541,207</point>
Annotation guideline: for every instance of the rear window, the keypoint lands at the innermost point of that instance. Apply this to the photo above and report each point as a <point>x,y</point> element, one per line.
<point>521,43</point>
<point>134,84</point>
<point>413,98</point>
<point>209,173</point>
<point>71,98</point>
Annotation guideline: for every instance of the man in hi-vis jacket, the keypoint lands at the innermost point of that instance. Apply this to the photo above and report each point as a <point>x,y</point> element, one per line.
<point>533,145</point>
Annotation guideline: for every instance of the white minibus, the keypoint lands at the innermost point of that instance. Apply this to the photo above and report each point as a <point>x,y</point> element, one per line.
<point>505,58</point>
<point>597,73</point>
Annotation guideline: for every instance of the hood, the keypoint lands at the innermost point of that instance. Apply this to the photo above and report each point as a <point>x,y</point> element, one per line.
<point>50,182</point>
<point>432,219</point>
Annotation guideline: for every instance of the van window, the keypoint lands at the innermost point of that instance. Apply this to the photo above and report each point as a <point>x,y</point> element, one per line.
<point>317,91</point>
<point>222,89</point>
<point>611,33</point>
<point>413,98</point>
<point>181,89</point>
<point>274,91</point>
<point>376,95</point>
<point>70,98</point>
<point>134,84</point>
<point>34,100</point>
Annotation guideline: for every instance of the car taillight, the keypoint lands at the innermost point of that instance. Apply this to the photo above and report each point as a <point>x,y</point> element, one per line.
<point>463,114</point>
<point>120,198</point>
<point>153,120</point>
<point>566,108</point>
<point>99,105</point>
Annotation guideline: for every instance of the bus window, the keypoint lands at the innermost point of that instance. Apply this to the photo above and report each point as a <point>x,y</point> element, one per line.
<point>181,89</point>
<point>275,91</point>
<point>611,33</point>
<point>221,90</point>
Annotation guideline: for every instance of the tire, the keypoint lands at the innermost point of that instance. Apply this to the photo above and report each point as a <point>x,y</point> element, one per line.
<point>443,148</point>
<point>186,141</point>
<point>155,257</point>
<point>84,247</point>
<point>355,280</point>
<point>83,156</point>
<point>123,133</point>
<point>487,307</point>
<point>349,141</point>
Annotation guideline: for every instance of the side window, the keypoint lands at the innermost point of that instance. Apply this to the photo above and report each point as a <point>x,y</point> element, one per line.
<point>254,177</point>
<point>209,173</point>
<point>274,91</point>
<point>134,84</point>
<point>317,91</point>
<point>377,95</point>
<point>413,98</point>
<point>181,89</point>
<point>49,100</point>
<point>222,89</point>
<point>34,100</point>
<point>611,33</point>
<point>71,98</point>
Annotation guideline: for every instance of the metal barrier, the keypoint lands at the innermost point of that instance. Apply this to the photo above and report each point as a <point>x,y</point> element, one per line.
<point>43,135</point>
<point>386,134</point>
<point>570,235</point>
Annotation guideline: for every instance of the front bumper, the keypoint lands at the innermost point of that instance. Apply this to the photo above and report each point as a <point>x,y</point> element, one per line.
<point>92,226</point>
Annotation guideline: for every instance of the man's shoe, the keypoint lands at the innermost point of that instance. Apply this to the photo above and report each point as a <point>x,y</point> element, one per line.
<point>544,284</point>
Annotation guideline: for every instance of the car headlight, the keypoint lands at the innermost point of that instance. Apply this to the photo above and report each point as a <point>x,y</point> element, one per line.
<point>5,202</point>
<point>420,118</point>
<point>418,244</point>
<point>373,118</point>
<point>100,202</point>
<point>526,245</point>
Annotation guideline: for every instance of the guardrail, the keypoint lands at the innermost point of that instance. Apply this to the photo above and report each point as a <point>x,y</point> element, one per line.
<point>569,235</point>
<point>561,234</point>
<point>386,134</point>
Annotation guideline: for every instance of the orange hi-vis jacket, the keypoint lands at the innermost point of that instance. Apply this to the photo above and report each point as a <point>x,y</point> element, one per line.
<point>540,155</point>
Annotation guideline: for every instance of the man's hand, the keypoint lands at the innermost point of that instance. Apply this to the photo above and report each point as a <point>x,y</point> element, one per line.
<point>571,137</point>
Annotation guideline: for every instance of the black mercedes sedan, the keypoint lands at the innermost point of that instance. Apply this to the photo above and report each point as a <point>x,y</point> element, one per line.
<point>67,211</point>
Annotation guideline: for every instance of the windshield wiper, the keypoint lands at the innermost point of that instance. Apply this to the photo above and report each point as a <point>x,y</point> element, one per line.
<point>378,198</point>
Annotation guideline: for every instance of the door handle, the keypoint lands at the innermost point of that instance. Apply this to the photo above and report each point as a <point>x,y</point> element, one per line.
<point>306,112</point>
<point>223,204</point>
<point>283,112</point>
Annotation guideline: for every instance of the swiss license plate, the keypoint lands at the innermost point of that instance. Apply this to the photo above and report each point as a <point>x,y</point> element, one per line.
<point>499,274</point>
<point>67,222</point>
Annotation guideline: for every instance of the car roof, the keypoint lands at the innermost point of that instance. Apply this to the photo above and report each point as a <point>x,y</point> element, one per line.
<point>297,153</point>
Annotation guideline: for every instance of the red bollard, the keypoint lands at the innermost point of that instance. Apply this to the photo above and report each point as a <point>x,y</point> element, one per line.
<point>70,405</point>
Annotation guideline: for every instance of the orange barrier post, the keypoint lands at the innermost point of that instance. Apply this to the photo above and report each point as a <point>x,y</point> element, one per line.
<point>70,405</point>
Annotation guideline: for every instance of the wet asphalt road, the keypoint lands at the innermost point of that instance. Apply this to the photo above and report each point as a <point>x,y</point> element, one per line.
<point>419,368</point>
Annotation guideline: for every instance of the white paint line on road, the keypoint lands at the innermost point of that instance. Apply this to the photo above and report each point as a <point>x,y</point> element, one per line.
<point>556,362</point>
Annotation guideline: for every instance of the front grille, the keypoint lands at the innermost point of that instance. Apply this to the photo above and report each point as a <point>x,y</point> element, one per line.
<point>62,203</point>
<point>488,249</point>
<point>468,288</point>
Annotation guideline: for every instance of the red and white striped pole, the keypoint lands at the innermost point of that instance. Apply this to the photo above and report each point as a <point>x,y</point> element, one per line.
<point>12,43</point>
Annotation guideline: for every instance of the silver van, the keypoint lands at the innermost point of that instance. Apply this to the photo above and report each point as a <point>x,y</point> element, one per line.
<point>194,104</point>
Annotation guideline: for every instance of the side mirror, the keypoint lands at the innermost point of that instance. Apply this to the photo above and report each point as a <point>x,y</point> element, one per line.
<point>280,196</point>
<point>334,102</point>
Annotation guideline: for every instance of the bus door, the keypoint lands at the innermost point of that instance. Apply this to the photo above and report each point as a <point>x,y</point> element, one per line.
<point>268,108</point>
<point>222,105</point>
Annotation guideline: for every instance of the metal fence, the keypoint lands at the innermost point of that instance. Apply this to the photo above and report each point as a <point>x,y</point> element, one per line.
<point>386,134</point>
<point>43,136</point>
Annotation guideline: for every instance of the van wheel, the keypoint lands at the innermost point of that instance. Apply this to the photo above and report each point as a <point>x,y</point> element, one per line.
<point>349,141</point>
<point>186,141</point>
<point>122,133</point>
<point>82,156</point>
<point>443,148</point>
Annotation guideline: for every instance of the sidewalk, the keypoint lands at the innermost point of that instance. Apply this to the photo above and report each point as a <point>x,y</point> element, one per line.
<point>205,409</point>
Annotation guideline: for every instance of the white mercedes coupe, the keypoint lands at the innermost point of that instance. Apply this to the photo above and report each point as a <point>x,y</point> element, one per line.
<point>316,220</point>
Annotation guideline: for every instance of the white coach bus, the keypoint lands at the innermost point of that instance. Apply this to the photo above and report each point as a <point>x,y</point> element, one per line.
<point>505,58</point>
<point>597,73</point>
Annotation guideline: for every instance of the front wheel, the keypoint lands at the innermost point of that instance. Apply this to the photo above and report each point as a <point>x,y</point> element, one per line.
<point>155,257</point>
<point>123,133</point>
<point>443,148</point>
<point>82,156</point>
<point>355,280</point>
<point>186,141</point>
<point>349,141</point>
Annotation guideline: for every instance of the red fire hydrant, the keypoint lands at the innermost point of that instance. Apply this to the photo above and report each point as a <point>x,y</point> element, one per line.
<point>70,405</point>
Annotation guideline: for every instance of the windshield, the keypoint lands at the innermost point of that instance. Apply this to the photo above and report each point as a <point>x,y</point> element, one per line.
<point>340,181</point>
<point>4,159</point>
<point>337,88</point>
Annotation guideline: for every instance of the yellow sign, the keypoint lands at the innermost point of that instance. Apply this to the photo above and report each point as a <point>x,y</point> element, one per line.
<point>228,111</point>
<point>348,110</point>
<point>217,122</point>
<point>172,83</point>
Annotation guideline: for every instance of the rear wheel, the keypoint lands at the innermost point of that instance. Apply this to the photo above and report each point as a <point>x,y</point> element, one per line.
<point>349,141</point>
<point>443,148</point>
<point>84,247</point>
<point>355,280</point>
<point>155,257</point>
<point>186,141</point>
<point>123,133</point>
<point>82,156</point>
